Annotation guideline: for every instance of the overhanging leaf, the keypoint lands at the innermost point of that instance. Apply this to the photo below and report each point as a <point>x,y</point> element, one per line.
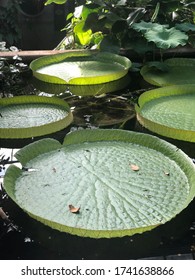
<point>93,174</point>
<point>84,37</point>
<point>185,26</point>
<point>144,26</point>
<point>169,111</point>
<point>166,38</point>
<point>80,67</point>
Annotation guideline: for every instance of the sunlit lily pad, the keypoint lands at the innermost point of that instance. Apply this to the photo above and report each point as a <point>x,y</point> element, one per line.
<point>169,111</point>
<point>178,71</point>
<point>31,116</point>
<point>83,90</point>
<point>80,67</point>
<point>102,183</point>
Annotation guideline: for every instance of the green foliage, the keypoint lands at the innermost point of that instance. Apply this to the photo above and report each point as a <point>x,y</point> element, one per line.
<point>80,68</point>
<point>9,29</point>
<point>23,117</point>
<point>10,72</point>
<point>137,25</point>
<point>166,38</point>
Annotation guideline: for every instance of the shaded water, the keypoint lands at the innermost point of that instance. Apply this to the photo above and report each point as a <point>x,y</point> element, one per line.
<point>21,237</point>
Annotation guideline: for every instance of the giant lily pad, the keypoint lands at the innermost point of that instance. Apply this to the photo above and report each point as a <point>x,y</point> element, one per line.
<point>80,68</point>
<point>31,116</point>
<point>178,71</point>
<point>102,183</point>
<point>169,111</point>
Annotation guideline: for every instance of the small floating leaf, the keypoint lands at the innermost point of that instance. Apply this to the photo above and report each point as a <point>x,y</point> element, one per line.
<point>134,167</point>
<point>73,209</point>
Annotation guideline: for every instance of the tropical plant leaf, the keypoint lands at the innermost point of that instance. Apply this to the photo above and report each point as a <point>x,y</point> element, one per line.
<point>185,26</point>
<point>91,174</point>
<point>31,116</point>
<point>166,38</point>
<point>144,26</point>
<point>84,37</point>
<point>169,111</point>
<point>80,67</point>
<point>178,71</point>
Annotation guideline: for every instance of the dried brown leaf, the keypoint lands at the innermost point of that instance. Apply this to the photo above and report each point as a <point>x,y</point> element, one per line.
<point>73,209</point>
<point>134,167</point>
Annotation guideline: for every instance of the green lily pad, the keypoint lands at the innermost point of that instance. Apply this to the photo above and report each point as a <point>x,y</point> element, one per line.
<point>31,116</point>
<point>80,68</point>
<point>102,183</point>
<point>179,71</point>
<point>83,90</point>
<point>169,111</point>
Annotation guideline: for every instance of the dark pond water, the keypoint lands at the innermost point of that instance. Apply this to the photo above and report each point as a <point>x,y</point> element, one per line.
<point>21,237</point>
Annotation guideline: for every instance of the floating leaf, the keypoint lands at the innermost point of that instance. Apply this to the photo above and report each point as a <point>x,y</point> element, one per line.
<point>120,202</point>
<point>134,167</point>
<point>31,116</point>
<point>169,111</point>
<point>73,209</point>
<point>80,67</point>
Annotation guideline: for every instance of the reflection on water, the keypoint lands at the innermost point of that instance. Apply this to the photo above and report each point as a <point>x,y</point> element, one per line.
<point>21,237</point>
